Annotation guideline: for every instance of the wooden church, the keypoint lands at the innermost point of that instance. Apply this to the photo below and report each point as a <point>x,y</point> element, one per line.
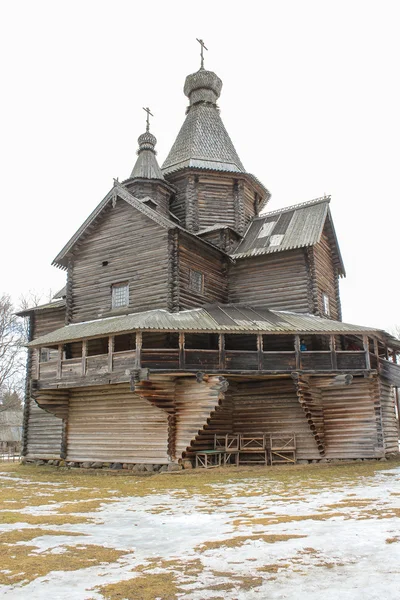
<point>196,325</point>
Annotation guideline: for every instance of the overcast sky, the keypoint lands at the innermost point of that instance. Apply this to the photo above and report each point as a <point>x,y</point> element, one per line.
<point>310,99</point>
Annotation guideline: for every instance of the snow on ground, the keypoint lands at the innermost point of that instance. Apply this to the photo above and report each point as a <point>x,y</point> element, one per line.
<point>252,538</point>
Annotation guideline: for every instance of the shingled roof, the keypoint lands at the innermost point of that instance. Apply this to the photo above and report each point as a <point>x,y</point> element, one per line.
<point>293,227</point>
<point>203,141</point>
<point>146,166</point>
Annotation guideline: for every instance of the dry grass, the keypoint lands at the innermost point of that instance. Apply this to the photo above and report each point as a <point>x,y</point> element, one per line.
<point>27,535</point>
<point>143,587</point>
<point>80,492</point>
<point>21,563</point>
<point>240,540</point>
<point>9,517</point>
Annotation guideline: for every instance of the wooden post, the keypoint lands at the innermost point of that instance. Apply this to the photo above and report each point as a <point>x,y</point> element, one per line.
<point>221,348</point>
<point>332,346</point>
<point>84,355</point>
<point>37,363</point>
<point>297,351</point>
<point>260,349</point>
<point>59,361</point>
<point>376,352</point>
<point>110,353</point>
<point>138,359</point>
<point>366,350</point>
<point>181,350</point>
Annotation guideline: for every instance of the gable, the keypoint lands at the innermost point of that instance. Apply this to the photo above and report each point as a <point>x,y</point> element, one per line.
<point>125,247</point>
<point>118,191</point>
<point>297,226</point>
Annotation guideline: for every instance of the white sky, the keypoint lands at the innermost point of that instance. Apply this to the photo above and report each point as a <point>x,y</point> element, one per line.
<point>310,99</point>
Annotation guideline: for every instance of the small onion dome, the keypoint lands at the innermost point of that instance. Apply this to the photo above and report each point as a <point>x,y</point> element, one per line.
<point>146,141</point>
<point>203,86</point>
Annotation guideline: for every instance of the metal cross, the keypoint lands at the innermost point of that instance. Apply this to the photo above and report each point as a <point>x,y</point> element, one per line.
<point>203,47</point>
<point>147,110</point>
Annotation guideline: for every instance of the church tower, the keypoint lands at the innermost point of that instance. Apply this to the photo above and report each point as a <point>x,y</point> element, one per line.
<point>147,181</point>
<point>213,188</point>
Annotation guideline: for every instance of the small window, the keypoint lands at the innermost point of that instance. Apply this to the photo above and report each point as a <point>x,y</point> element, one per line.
<point>196,281</point>
<point>266,229</point>
<point>276,240</point>
<point>120,295</point>
<point>325,303</point>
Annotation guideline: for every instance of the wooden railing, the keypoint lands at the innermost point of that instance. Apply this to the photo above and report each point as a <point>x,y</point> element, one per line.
<point>166,359</point>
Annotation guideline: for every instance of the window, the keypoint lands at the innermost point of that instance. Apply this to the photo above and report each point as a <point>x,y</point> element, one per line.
<point>266,229</point>
<point>119,295</point>
<point>276,240</point>
<point>325,304</point>
<point>196,281</point>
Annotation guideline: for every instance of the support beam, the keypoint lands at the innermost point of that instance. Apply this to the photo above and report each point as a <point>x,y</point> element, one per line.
<point>59,361</point>
<point>84,356</point>
<point>181,350</point>
<point>37,363</point>
<point>110,353</point>
<point>221,348</point>
<point>297,351</point>
<point>366,350</point>
<point>332,346</point>
<point>260,349</point>
<point>138,358</point>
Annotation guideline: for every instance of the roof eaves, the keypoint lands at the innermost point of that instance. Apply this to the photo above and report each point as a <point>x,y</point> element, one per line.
<point>59,259</point>
<point>48,306</point>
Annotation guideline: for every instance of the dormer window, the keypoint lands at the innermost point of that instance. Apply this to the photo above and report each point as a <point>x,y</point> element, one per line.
<point>276,240</point>
<point>119,295</point>
<point>266,229</point>
<point>150,203</point>
<point>196,281</point>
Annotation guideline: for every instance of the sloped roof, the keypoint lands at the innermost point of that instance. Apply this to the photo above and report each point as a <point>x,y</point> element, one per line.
<point>119,191</point>
<point>48,306</point>
<point>288,228</point>
<point>146,165</point>
<point>227,318</point>
<point>203,143</point>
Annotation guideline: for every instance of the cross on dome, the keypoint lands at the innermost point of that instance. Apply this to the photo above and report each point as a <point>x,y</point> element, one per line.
<point>203,47</point>
<point>147,110</point>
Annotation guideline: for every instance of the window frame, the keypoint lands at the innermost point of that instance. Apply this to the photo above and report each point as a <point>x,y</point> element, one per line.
<point>115,287</point>
<point>193,284</point>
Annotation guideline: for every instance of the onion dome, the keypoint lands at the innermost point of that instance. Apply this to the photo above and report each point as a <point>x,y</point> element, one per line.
<point>146,166</point>
<point>202,86</point>
<point>146,141</point>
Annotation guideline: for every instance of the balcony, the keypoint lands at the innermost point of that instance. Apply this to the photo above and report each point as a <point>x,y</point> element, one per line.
<point>101,361</point>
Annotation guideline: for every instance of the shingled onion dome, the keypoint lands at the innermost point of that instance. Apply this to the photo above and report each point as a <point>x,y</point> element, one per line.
<point>146,166</point>
<point>203,86</point>
<point>203,141</point>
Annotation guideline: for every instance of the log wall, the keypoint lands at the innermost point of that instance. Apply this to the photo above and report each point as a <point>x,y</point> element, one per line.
<point>203,200</point>
<point>196,405</point>
<point>42,430</point>
<point>325,279</point>
<point>390,422</point>
<point>352,418</point>
<point>272,406</point>
<point>280,281</point>
<point>44,434</point>
<point>195,255</point>
<point>136,250</point>
<point>113,424</point>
